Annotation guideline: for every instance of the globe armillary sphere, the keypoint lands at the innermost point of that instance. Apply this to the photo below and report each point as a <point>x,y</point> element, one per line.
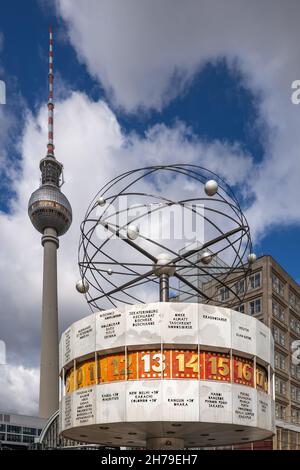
<point>164,231</point>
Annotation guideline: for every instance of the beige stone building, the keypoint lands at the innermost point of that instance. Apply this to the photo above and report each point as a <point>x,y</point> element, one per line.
<point>273,297</point>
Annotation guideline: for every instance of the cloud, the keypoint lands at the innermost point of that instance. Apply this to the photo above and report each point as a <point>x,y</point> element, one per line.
<point>19,389</point>
<point>134,48</point>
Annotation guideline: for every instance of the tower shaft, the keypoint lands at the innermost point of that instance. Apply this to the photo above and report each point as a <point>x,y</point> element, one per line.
<point>49,400</point>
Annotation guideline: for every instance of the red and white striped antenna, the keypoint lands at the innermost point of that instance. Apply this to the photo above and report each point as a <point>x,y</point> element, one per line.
<point>50,144</point>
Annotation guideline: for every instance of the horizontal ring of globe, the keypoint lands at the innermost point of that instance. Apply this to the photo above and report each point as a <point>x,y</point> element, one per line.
<point>204,410</point>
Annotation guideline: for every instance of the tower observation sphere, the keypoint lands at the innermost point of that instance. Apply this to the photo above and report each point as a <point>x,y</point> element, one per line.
<point>49,207</point>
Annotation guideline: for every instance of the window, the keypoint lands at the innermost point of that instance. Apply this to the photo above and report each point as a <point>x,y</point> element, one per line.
<point>280,360</point>
<point>295,371</point>
<point>2,427</point>
<point>294,301</point>
<point>254,281</point>
<point>280,386</point>
<point>15,429</point>
<point>241,308</point>
<point>278,311</point>
<point>295,393</point>
<point>14,437</point>
<point>277,285</point>
<point>240,287</point>
<point>224,293</point>
<point>295,416</point>
<point>29,431</point>
<point>294,324</point>
<point>28,438</point>
<point>280,411</point>
<point>255,306</point>
<point>279,336</point>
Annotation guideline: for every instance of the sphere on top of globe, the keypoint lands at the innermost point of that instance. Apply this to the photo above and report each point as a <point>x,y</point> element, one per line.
<point>166,232</point>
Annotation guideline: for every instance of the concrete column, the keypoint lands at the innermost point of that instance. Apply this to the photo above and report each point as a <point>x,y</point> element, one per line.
<point>49,385</point>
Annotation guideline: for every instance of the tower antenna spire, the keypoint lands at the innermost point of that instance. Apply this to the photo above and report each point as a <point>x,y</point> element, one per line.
<point>50,144</point>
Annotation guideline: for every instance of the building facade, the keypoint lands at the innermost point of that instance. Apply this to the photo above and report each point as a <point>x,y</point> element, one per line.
<point>19,431</point>
<point>273,297</point>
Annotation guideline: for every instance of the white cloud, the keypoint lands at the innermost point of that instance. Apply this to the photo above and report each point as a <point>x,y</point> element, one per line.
<point>135,47</point>
<point>19,389</point>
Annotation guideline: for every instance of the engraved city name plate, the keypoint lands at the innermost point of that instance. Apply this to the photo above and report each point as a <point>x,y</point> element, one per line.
<point>84,406</point>
<point>110,399</point>
<point>215,402</point>
<point>143,324</point>
<point>84,336</point>
<point>110,329</point>
<point>67,346</point>
<point>214,326</point>
<point>262,341</point>
<point>264,415</point>
<point>179,323</point>
<point>67,412</point>
<point>243,332</point>
<point>180,400</point>
<point>144,401</point>
<point>244,405</point>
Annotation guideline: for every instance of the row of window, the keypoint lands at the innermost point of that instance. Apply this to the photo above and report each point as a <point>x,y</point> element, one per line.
<point>240,287</point>
<point>294,301</point>
<point>19,430</point>
<point>295,415</point>
<point>280,360</point>
<point>281,413</point>
<point>280,386</point>
<point>295,324</point>
<point>295,393</point>
<point>279,287</point>
<point>16,438</point>
<point>281,363</point>
<point>279,312</point>
<point>295,371</point>
<point>254,307</point>
<point>279,336</point>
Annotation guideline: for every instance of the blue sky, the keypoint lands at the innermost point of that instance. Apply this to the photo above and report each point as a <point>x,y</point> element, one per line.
<point>215,103</point>
<point>137,84</point>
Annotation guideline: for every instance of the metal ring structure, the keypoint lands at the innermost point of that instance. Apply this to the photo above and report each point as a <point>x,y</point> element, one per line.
<point>122,269</point>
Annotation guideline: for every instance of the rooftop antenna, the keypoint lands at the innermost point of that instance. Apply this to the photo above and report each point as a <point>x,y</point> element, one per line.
<point>50,144</point>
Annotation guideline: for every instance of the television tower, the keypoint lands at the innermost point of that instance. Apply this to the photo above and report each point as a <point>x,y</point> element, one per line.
<point>51,214</point>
